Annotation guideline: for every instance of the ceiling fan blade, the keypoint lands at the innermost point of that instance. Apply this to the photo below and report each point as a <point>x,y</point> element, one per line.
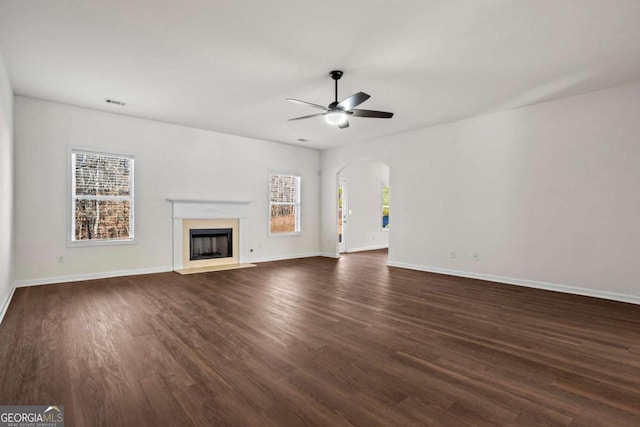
<point>307,117</point>
<point>353,100</point>
<point>344,125</point>
<point>371,113</point>
<point>297,101</point>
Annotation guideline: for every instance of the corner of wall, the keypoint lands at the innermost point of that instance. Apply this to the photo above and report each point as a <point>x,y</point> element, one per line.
<point>5,304</point>
<point>7,244</point>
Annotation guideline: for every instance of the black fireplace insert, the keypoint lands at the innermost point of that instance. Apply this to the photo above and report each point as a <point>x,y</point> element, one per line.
<point>207,243</point>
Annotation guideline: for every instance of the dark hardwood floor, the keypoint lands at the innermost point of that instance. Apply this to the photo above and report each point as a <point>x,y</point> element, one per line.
<point>322,342</point>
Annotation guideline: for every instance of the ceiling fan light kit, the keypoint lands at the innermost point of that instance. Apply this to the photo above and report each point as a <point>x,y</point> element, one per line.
<point>337,113</point>
<point>335,117</point>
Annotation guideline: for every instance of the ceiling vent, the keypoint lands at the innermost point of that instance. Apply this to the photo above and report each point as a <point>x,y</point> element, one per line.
<point>113,101</point>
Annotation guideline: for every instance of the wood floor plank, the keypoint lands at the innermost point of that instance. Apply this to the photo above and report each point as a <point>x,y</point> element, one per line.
<point>320,341</point>
<point>164,405</point>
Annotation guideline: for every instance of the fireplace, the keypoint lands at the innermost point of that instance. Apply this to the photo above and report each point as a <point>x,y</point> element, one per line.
<point>211,252</point>
<point>209,243</point>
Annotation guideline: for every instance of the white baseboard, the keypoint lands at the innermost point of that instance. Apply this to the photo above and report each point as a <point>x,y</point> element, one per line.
<point>329,255</point>
<point>5,304</point>
<point>523,282</point>
<point>367,248</point>
<point>91,276</point>
<point>284,257</point>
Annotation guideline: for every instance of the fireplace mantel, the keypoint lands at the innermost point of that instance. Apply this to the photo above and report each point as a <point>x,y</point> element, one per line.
<point>230,202</point>
<point>188,209</point>
<point>214,209</point>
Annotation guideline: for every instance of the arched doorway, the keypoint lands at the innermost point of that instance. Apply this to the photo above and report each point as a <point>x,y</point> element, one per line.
<point>363,204</point>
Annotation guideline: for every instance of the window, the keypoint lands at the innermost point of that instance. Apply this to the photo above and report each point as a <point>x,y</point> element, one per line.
<point>284,204</point>
<point>385,206</point>
<point>101,197</point>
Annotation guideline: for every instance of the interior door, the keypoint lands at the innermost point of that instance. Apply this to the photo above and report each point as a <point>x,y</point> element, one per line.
<point>342,215</point>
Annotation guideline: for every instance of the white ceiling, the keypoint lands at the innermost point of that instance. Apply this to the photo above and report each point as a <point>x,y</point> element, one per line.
<point>228,66</point>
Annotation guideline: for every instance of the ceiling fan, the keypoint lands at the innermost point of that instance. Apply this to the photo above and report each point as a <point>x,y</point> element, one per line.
<point>337,113</point>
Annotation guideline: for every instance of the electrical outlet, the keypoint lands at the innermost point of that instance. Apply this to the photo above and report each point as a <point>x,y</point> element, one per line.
<point>452,254</point>
<point>476,256</point>
<point>60,259</point>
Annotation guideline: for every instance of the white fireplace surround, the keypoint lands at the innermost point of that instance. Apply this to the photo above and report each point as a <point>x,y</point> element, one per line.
<point>207,209</point>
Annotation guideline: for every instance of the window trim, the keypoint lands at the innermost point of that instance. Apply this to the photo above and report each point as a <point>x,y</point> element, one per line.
<point>71,243</point>
<point>299,204</point>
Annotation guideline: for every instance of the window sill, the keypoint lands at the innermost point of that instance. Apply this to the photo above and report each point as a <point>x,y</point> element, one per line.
<point>88,243</point>
<point>285,234</point>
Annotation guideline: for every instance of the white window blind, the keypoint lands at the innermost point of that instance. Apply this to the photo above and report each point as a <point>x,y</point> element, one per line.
<point>102,197</point>
<point>284,204</point>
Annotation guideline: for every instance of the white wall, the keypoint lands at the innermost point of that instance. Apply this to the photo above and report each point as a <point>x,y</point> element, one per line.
<point>547,195</point>
<point>364,194</point>
<point>171,162</point>
<point>6,187</point>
